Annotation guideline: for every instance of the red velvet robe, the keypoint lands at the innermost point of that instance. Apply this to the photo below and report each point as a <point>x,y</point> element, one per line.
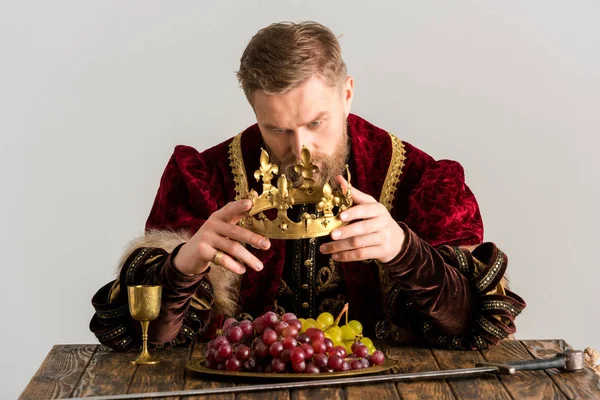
<point>431,198</point>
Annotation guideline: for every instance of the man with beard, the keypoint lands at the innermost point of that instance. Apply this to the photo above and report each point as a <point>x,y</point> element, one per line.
<point>411,262</point>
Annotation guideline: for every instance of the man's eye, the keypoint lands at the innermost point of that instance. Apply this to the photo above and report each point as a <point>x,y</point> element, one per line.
<point>315,123</point>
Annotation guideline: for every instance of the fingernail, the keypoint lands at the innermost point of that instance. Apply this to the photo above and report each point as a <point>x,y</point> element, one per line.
<point>259,266</point>
<point>264,243</point>
<point>335,234</point>
<point>343,216</point>
<point>335,256</point>
<point>243,270</point>
<point>323,248</point>
<point>248,203</point>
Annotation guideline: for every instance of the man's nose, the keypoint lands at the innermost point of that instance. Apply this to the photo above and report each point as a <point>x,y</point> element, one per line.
<point>297,141</point>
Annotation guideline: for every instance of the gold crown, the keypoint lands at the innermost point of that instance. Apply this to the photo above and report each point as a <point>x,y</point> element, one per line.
<point>285,195</point>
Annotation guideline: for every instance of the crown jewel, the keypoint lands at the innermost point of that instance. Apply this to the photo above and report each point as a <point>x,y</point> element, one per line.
<point>284,196</point>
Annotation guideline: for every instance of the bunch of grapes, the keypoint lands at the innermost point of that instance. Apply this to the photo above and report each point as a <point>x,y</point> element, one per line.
<point>271,344</point>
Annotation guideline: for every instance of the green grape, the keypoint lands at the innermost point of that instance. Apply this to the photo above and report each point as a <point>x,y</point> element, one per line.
<point>309,323</point>
<point>335,335</point>
<point>336,329</point>
<point>301,320</point>
<point>356,326</point>
<point>320,325</point>
<point>347,333</point>
<point>371,349</point>
<point>367,342</point>
<point>348,346</point>
<point>325,318</point>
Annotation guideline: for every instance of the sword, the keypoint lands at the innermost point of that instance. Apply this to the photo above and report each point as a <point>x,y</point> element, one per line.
<point>569,361</point>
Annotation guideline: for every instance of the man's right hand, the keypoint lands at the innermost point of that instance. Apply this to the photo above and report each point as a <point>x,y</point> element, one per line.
<point>220,232</point>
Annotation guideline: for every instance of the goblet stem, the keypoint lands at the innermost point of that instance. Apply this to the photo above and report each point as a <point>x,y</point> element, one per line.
<point>145,325</point>
<point>145,357</point>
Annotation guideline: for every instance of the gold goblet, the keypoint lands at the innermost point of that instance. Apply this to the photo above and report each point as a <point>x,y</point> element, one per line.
<point>144,306</point>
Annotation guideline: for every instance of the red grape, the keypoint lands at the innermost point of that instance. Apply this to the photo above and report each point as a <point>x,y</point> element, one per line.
<point>221,366</point>
<point>289,343</point>
<point>228,323</point>
<point>278,365</point>
<point>269,336</point>
<point>247,328</point>
<point>361,351</point>
<point>308,350</point>
<point>259,325</point>
<point>377,358</point>
<point>335,363</point>
<point>356,364</point>
<point>250,364</point>
<point>311,369</point>
<point>296,323</point>
<point>242,352</point>
<point>261,350</point>
<point>270,318</point>
<point>355,345</point>
<point>320,360</point>
<point>319,346</point>
<point>211,355</point>
<point>280,326</point>
<point>287,316</point>
<point>303,338</point>
<point>224,351</point>
<point>366,362</point>
<point>233,364</point>
<point>220,340</point>
<point>212,364</point>
<point>211,345</point>
<point>297,355</point>
<point>275,349</point>
<point>345,366</point>
<point>290,331</point>
<point>268,369</point>
<point>235,334</point>
<point>299,367</point>
<point>286,355</point>
<point>338,350</point>
<point>315,334</point>
<point>328,345</point>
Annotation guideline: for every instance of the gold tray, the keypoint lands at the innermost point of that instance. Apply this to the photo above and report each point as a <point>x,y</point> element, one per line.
<point>196,365</point>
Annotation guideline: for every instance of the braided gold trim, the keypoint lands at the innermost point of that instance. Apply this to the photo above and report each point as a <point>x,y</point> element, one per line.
<point>388,191</point>
<point>236,161</point>
<point>388,194</point>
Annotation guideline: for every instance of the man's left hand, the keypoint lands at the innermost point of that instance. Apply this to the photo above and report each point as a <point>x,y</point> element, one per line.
<point>373,235</point>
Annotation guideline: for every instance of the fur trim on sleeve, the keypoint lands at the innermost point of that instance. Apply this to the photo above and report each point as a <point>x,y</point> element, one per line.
<point>224,282</point>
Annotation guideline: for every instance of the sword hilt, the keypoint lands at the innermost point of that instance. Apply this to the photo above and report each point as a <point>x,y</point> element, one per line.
<point>569,360</point>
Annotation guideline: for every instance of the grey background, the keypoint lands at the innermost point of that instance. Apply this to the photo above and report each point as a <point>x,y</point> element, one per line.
<point>94,96</point>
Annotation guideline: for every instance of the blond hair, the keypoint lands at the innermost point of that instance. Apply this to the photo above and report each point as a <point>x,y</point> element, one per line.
<point>283,55</point>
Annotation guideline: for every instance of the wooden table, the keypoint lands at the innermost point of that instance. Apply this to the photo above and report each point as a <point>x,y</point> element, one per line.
<point>93,370</point>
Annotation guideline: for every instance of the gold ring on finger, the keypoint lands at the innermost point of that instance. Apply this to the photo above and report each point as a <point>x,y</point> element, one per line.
<point>216,259</point>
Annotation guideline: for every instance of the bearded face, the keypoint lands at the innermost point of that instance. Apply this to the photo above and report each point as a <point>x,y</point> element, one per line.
<point>330,165</point>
